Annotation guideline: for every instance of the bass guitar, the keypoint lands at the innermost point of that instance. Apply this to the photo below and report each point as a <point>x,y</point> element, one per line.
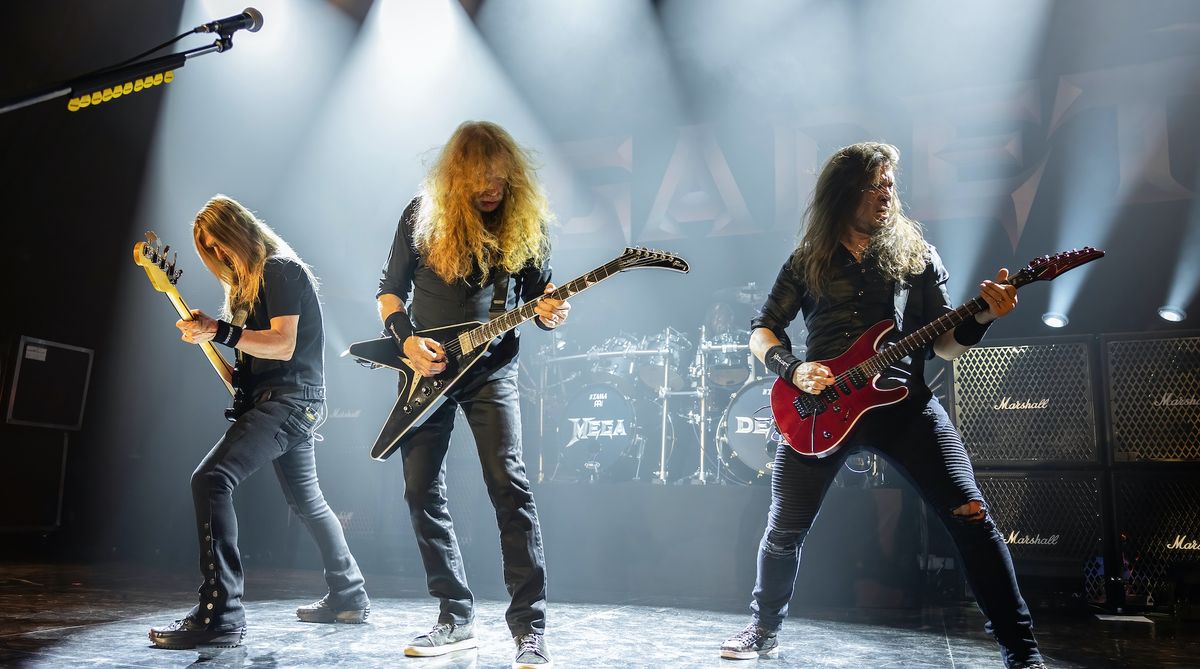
<point>465,344</point>
<point>816,425</point>
<point>151,256</point>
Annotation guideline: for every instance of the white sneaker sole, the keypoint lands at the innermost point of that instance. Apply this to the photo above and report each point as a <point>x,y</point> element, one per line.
<point>434,651</point>
<point>748,654</point>
<point>526,665</point>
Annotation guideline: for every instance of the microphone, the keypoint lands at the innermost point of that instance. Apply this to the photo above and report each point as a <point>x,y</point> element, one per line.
<point>250,19</point>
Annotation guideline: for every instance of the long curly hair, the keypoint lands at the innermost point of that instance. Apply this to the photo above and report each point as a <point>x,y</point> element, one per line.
<point>247,243</point>
<point>450,231</point>
<point>898,247</point>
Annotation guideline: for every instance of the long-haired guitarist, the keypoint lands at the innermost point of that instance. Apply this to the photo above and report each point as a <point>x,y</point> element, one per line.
<point>473,242</point>
<point>272,320</point>
<point>859,261</point>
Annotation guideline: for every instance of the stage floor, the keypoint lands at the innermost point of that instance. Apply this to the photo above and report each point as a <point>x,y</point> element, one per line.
<point>71,616</point>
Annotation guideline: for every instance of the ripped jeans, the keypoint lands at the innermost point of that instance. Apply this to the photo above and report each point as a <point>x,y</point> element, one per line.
<point>922,444</point>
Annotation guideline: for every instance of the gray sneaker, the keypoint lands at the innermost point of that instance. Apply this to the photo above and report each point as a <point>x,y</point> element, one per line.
<point>531,652</point>
<point>443,638</point>
<point>750,643</point>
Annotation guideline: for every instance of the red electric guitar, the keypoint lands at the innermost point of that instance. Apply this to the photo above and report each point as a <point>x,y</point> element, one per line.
<point>815,425</point>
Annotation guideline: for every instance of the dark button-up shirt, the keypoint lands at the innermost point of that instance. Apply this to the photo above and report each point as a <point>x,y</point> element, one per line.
<point>856,297</point>
<point>431,302</point>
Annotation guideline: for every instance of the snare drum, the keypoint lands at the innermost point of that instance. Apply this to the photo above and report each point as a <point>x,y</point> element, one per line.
<point>605,434</point>
<point>747,436</point>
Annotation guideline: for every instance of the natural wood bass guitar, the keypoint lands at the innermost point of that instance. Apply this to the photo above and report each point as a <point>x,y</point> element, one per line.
<point>151,256</point>
<point>816,425</point>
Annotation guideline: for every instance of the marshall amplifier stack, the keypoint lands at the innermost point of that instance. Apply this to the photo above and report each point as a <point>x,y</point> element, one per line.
<point>1088,453</point>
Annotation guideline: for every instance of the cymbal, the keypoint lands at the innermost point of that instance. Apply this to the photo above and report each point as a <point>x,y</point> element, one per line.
<point>750,293</point>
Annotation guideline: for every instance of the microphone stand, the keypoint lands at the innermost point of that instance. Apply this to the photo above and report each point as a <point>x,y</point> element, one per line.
<point>116,75</point>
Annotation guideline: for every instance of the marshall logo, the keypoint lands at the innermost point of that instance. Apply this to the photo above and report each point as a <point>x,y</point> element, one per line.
<point>1182,543</point>
<point>1170,400</point>
<point>593,428</point>
<point>1008,404</point>
<point>345,413</point>
<point>1015,538</point>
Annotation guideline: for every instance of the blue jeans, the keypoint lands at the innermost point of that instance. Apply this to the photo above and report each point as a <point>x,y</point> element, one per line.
<point>922,444</point>
<point>278,429</point>
<point>493,412</point>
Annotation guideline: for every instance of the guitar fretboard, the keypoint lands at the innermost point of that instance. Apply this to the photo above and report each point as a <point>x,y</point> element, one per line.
<point>485,333</point>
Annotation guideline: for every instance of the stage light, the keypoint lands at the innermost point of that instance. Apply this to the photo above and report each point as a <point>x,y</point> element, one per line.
<point>1172,313</point>
<point>1055,319</point>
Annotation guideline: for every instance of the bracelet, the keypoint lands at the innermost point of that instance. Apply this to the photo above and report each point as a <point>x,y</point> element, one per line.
<point>227,334</point>
<point>399,327</point>
<point>781,361</point>
<point>970,331</point>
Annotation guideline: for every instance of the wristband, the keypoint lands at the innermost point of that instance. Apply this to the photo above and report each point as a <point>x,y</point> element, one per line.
<point>781,361</point>
<point>399,327</point>
<point>227,334</point>
<point>970,331</point>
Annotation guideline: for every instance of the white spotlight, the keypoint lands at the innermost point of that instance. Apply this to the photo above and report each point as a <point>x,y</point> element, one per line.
<point>1172,313</point>
<point>1055,319</point>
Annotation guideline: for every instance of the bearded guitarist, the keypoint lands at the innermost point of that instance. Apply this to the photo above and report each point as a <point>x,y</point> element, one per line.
<point>473,243</point>
<point>861,260</point>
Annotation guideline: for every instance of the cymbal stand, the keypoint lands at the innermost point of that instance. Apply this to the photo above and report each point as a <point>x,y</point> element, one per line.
<point>702,389</point>
<point>665,393</point>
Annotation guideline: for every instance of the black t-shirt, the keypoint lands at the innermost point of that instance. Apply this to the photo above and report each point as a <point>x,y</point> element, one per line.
<point>857,297</point>
<point>431,302</point>
<point>286,291</point>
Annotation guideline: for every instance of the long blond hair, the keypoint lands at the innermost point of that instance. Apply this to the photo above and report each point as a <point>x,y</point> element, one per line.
<point>899,247</point>
<point>450,230</point>
<point>248,243</point>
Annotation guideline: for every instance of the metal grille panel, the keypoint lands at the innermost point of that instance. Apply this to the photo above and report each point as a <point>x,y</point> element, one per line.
<point>1029,404</point>
<point>1154,398</point>
<point>1158,520</point>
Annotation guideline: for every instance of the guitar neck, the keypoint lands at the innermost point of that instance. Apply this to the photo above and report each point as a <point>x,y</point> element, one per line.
<point>218,362</point>
<point>927,334</point>
<point>485,333</point>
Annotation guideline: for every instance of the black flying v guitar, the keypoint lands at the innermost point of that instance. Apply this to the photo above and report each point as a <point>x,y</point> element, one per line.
<point>465,344</point>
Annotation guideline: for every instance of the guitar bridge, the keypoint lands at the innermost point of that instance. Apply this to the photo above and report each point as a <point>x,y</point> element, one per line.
<point>808,405</point>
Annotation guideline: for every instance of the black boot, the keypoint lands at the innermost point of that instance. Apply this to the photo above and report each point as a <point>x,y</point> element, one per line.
<point>191,633</point>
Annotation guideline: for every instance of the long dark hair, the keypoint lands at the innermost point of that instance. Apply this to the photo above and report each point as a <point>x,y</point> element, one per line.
<point>898,247</point>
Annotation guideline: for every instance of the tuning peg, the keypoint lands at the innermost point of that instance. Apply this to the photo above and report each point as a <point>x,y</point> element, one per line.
<point>175,279</point>
<point>171,265</point>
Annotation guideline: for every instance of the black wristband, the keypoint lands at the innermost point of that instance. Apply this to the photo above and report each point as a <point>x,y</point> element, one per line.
<point>781,361</point>
<point>228,334</point>
<point>399,327</point>
<point>970,331</point>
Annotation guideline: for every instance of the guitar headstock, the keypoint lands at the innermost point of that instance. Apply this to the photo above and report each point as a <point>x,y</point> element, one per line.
<point>636,257</point>
<point>151,256</point>
<point>1047,268</point>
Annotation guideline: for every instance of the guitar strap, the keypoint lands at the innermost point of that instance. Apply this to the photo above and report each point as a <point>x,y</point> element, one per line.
<point>499,296</point>
<point>900,301</point>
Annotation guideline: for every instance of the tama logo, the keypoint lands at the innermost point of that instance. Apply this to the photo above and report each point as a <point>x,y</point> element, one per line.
<point>592,428</point>
<point>1015,538</point>
<point>1182,543</point>
<point>1008,404</point>
<point>753,425</point>
<point>1170,400</point>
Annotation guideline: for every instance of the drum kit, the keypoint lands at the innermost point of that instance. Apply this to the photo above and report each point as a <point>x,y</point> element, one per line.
<point>660,407</point>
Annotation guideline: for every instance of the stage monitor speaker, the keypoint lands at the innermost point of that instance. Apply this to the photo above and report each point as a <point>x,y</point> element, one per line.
<point>1052,523</point>
<point>1158,522</point>
<point>1028,404</point>
<point>33,465</point>
<point>49,384</point>
<point>1153,397</point>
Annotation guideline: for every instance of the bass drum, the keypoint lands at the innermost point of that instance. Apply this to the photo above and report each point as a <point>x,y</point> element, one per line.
<point>606,435</point>
<point>747,436</point>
